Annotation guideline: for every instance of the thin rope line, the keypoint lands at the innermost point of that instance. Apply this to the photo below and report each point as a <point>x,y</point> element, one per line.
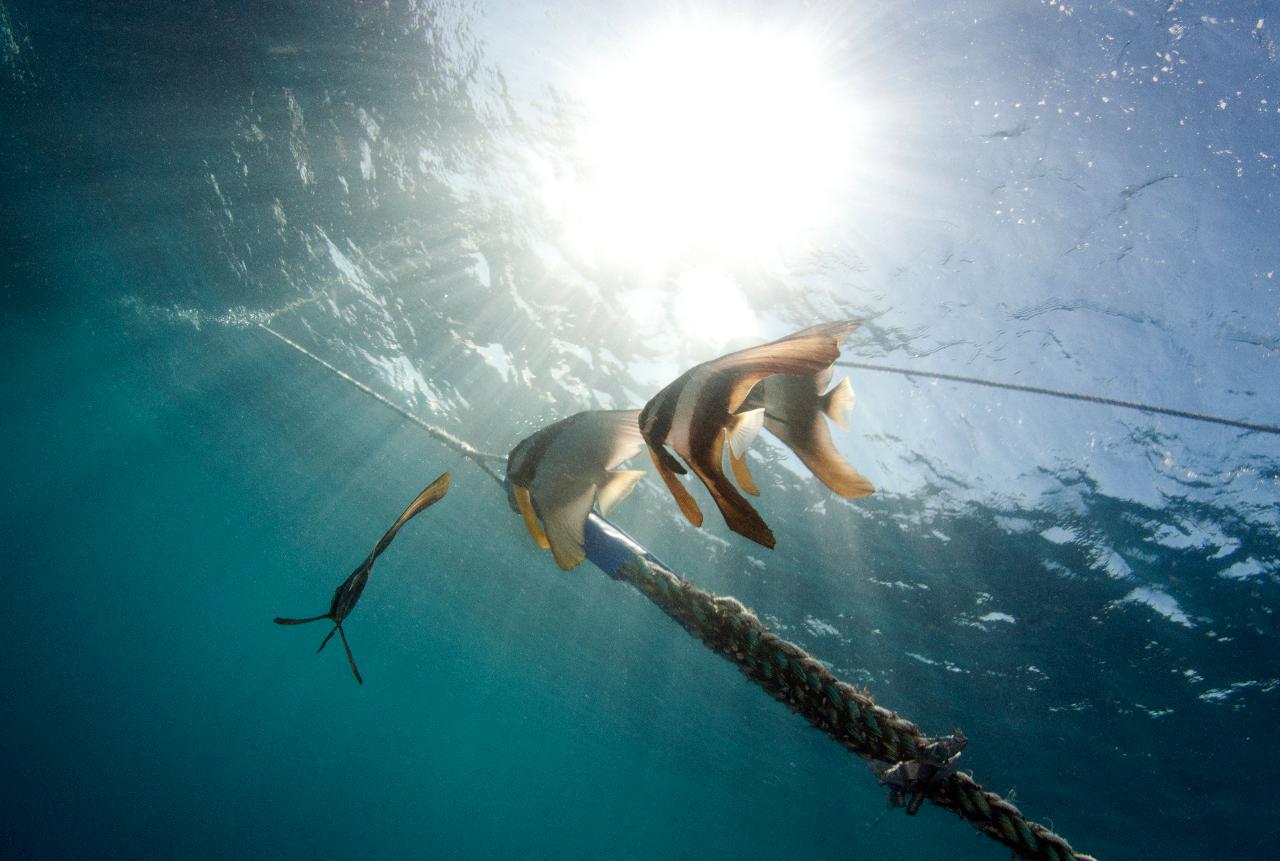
<point>1074,396</point>
<point>463,448</point>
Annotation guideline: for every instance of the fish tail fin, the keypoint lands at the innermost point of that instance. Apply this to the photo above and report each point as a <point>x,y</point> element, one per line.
<point>565,524</point>
<point>838,403</point>
<point>350,658</point>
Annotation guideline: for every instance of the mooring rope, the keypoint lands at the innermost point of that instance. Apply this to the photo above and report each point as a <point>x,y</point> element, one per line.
<point>782,669</point>
<point>463,447</point>
<point>843,711</point>
<point>1074,396</point>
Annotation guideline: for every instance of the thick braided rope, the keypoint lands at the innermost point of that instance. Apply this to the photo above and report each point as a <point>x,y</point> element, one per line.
<point>846,713</point>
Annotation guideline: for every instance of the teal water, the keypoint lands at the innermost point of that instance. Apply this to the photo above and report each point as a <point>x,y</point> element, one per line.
<point>1090,595</point>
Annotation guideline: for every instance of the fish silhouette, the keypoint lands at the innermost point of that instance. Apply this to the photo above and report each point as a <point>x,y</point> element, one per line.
<point>699,412</point>
<point>556,475</point>
<point>346,595</point>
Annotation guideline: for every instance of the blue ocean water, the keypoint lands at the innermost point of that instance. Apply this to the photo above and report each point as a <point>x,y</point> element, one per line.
<point>1072,196</point>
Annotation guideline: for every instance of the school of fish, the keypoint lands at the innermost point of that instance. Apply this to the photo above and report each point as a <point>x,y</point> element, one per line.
<point>560,473</point>
<point>556,475</point>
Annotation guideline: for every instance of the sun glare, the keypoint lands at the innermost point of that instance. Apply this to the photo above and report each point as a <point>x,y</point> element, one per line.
<point>711,141</point>
<point>708,304</point>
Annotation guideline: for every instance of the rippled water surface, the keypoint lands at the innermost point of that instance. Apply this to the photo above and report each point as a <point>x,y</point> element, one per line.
<point>496,215</point>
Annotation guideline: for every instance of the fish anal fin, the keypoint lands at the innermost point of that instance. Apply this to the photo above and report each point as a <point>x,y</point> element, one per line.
<point>682,496</point>
<point>838,403</point>
<point>817,452</point>
<point>738,514</point>
<point>530,518</point>
<point>565,521</point>
<point>742,475</point>
<point>616,487</point>
<point>857,487</point>
<point>838,475</point>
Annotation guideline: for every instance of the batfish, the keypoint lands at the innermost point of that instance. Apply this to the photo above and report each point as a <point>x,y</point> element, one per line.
<point>346,595</point>
<point>795,411</point>
<point>556,475</point>
<point>699,412</point>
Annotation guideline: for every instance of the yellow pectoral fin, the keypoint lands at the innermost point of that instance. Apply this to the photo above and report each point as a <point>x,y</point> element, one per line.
<point>530,519</point>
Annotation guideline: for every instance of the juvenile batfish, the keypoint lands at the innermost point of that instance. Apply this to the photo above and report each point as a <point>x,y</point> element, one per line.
<point>795,411</point>
<point>346,595</point>
<point>699,411</point>
<point>556,475</point>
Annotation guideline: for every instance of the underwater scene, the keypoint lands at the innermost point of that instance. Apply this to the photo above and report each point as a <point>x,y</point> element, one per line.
<point>693,430</point>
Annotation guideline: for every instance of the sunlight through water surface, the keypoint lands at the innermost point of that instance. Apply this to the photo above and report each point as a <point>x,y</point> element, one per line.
<point>709,139</point>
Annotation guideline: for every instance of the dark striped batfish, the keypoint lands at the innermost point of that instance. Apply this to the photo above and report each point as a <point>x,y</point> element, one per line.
<point>699,411</point>
<point>346,595</point>
<point>556,475</point>
<point>795,411</point>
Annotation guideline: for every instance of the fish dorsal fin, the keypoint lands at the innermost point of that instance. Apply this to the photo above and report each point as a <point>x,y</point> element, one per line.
<point>430,495</point>
<point>624,429</point>
<point>530,518</point>
<point>616,488</point>
<point>565,523</point>
<point>743,430</point>
<point>804,353</point>
<point>838,403</point>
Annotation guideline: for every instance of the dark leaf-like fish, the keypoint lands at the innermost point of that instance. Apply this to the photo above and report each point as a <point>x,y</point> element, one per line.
<point>346,595</point>
<point>556,475</point>
<point>701,410</point>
